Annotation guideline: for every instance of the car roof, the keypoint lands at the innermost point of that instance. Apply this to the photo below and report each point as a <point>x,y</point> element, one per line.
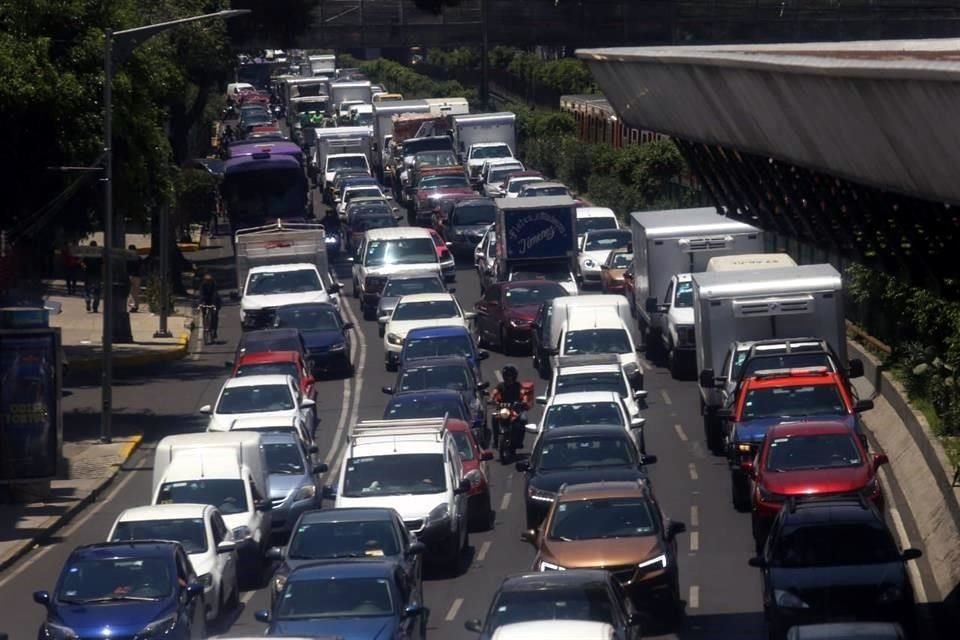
<point>293,266</point>
<point>813,428</point>
<point>267,357</point>
<point>437,332</point>
<point>575,369</point>
<point>427,393</point>
<point>436,361</point>
<point>547,185</point>
<point>426,297</point>
<point>279,437</point>
<point>595,212</point>
<point>585,396</point>
<point>764,381</point>
<point>256,381</point>
<point>609,233</point>
<point>573,431</point>
<point>267,334</point>
<point>413,275</point>
<point>598,490</point>
<point>165,512</point>
<point>124,549</point>
<point>298,307</point>
<point>349,514</point>
<point>595,318</point>
<point>831,510</point>
<point>355,568</point>
<point>398,233</point>
<point>539,581</point>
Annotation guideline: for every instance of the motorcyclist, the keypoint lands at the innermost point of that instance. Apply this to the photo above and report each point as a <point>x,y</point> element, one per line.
<point>208,295</point>
<point>510,392</point>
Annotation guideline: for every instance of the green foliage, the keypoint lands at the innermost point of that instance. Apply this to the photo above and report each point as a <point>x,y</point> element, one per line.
<point>455,61</point>
<point>563,75</point>
<point>154,297</point>
<point>196,198</point>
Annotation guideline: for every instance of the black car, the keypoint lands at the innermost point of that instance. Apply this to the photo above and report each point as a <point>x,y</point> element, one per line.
<point>434,403</point>
<point>466,223</point>
<point>833,558</point>
<point>335,534</point>
<point>574,455</point>
<point>285,339</point>
<point>325,334</point>
<point>576,594</point>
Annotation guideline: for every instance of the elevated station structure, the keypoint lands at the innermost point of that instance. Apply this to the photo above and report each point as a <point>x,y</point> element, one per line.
<point>850,147</point>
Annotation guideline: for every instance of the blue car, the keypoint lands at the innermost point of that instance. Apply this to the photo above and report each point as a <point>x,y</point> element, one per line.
<point>325,335</point>
<point>131,589</point>
<point>447,373</point>
<point>430,342</point>
<point>433,403</point>
<point>353,600</point>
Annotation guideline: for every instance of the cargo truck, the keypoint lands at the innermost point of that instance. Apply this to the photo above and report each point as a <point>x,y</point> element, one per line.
<point>383,119</point>
<point>323,64</point>
<point>337,141</point>
<point>357,91</point>
<point>535,234</point>
<point>484,136</point>
<point>758,304</point>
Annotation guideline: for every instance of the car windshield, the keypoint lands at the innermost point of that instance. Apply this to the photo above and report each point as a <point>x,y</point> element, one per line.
<point>106,579</point>
<point>600,381</point>
<point>585,451</point>
<point>815,451</point>
<point>229,496</point>
<point>498,174</point>
<point>427,310</point>
<point>607,241</point>
<point>517,184</point>
<point>443,182</point>
<point>335,598</point>
<point>346,162</point>
<point>189,532</point>
<point>473,215</point>
<point>782,361</point>
<point>464,446</point>
<point>376,221</point>
<point>621,260</point>
<point>269,368</point>
<point>535,191</point>
<point>363,192</point>
<point>791,402</point>
<point>586,601</point>
<point>308,318</point>
<point>440,377</point>
<point>260,341</point>
<point>284,458</point>
<point>396,288</point>
<point>260,398</point>
<point>595,224</point>
<point>603,518</point>
<point>570,415</point>
<point>393,475</point>
<point>493,151</point>
<point>560,274</point>
<point>406,251</point>
<point>596,341</point>
<point>270,283</point>
<point>684,295</point>
<point>416,406</point>
<point>833,545</point>
<point>456,345</point>
<point>533,294</point>
<point>320,540</point>
<point>436,159</point>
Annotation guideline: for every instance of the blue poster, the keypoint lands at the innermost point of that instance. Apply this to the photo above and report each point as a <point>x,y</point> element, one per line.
<point>29,406</point>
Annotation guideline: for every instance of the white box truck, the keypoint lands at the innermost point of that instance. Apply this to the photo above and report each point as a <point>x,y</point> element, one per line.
<point>349,91</point>
<point>758,304</point>
<point>671,242</point>
<point>383,113</point>
<point>484,136</point>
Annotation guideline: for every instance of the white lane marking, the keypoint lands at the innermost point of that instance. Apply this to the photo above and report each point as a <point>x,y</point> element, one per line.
<point>359,366</point>
<point>693,471</point>
<point>694,541</point>
<point>697,448</point>
<point>680,433</point>
<point>484,549</point>
<point>666,396</point>
<point>247,596</point>
<point>498,375</point>
<point>82,518</point>
<point>505,501</point>
<point>919,591</point>
<point>693,600</point>
<point>454,609</point>
<point>694,516</point>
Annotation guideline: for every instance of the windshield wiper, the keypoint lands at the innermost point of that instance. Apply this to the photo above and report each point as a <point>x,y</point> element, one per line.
<point>118,599</point>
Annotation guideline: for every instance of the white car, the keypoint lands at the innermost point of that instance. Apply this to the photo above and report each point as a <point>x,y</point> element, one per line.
<point>419,310</point>
<point>494,173</point>
<point>205,537</point>
<point>588,408</point>
<point>269,287</point>
<point>515,185</point>
<point>558,273</point>
<point>268,396</point>
<point>485,257</point>
<point>594,219</point>
<point>578,374</point>
<point>357,191</point>
<point>596,331</point>
<point>594,251</point>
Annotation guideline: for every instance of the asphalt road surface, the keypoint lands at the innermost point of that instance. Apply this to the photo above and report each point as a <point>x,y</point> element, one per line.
<point>722,594</point>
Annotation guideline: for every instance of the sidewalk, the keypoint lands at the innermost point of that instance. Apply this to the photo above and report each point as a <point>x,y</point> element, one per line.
<point>89,467</point>
<point>82,333</point>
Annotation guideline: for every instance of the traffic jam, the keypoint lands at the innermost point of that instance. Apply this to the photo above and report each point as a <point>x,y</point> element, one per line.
<point>342,196</point>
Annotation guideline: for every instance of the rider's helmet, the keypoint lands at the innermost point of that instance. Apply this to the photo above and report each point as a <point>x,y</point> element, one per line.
<point>509,373</point>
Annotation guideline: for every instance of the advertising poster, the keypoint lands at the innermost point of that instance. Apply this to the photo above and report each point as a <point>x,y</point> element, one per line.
<point>29,405</point>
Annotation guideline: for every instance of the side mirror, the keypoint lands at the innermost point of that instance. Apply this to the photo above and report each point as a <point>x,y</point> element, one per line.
<point>676,528</point>
<point>473,625</point>
<point>757,562</point>
<point>650,306</point>
<point>469,315</point>
<point>226,546</point>
<point>328,493</point>
<point>387,390</point>
<point>307,403</point>
<point>274,553</point>
<point>483,355</point>
<point>604,267</point>
<point>486,454</point>
<point>483,386</point>
<point>263,615</point>
<point>463,487</point>
<point>726,412</point>
<point>334,287</point>
<point>879,459</point>
<point>707,379</point>
<point>541,400</point>
<point>856,368</point>
<point>449,244</point>
<point>634,620</point>
<point>640,394</point>
<point>531,427</point>
<point>194,589</point>
<point>529,535</point>
<point>42,597</point>
<point>637,423</point>
<point>263,506</point>
<point>911,554</point>
<point>413,610</point>
<point>863,405</point>
<point>383,319</point>
<point>452,290</point>
<point>747,467</point>
<point>645,460</point>
<point>228,364</point>
<point>551,351</point>
<point>347,325</point>
<point>320,468</point>
<point>313,449</point>
<point>206,410</point>
<point>522,466</point>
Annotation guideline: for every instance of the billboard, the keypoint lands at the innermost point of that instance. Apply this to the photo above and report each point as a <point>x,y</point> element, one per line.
<point>30,419</point>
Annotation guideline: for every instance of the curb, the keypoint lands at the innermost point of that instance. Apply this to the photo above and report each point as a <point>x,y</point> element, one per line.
<point>54,523</point>
<point>133,360</point>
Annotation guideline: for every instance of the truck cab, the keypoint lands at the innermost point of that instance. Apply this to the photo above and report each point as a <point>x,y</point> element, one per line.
<point>271,286</point>
<point>481,152</point>
<point>674,335</point>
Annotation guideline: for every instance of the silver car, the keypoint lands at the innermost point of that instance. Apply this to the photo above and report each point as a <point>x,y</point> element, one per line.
<point>405,284</point>
<point>294,486</point>
<point>485,258</point>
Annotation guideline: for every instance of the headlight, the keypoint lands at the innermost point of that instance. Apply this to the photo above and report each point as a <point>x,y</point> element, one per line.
<point>788,600</point>
<point>891,595</point>
<point>439,514</point>
<point>543,565</point>
<point>394,339</point>
<point>206,580</point>
<point>516,324</point>
<point>744,447</point>
<point>279,582</point>
<point>589,264</point>
<point>59,632</point>
<point>660,562</point>
<point>158,628</point>
<point>338,347</point>
<point>242,533</point>
<point>504,414</point>
<point>768,496</point>
<point>540,495</point>
<point>305,493</point>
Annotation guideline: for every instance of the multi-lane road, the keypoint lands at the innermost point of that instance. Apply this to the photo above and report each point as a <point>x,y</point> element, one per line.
<point>722,593</point>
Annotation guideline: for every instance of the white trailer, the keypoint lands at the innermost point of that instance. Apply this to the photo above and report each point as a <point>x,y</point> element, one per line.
<point>346,91</point>
<point>284,243</point>
<point>448,106</point>
<point>383,113</point>
<point>482,129</point>
<point>323,64</point>
<point>333,140</point>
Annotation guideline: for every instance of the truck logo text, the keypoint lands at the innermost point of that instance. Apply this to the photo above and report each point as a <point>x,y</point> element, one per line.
<point>545,227</point>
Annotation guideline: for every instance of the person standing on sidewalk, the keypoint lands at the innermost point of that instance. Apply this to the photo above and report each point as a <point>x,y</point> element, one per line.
<point>134,266</point>
<point>92,280</point>
<point>72,265</point>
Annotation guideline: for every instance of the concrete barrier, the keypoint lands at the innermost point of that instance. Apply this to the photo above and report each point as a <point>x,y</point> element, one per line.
<point>923,472</point>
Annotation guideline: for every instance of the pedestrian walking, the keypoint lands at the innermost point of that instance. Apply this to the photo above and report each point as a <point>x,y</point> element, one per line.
<point>92,280</point>
<point>72,266</point>
<point>134,271</point>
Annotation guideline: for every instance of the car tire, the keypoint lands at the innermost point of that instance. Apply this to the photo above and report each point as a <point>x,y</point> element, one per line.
<point>505,342</point>
<point>356,289</point>
<point>740,491</point>
<point>673,363</point>
<point>712,433</point>
<point>233,599</point>
<point>481,517</point>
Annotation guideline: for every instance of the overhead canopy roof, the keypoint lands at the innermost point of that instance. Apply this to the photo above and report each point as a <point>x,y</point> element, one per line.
<point>883,114</point>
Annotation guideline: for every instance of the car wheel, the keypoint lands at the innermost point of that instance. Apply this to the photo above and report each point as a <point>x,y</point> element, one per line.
<point>740,491</point>
<point>481,513</point>
<point>356,289</point>
<point>233,600</point>
<point>674,363</point>
<point>505,342</point>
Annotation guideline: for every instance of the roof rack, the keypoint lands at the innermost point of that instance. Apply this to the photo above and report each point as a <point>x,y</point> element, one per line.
<point>398,428</point>
<point>786,373</point>
<point>588,359</point>
<point>853,496</point>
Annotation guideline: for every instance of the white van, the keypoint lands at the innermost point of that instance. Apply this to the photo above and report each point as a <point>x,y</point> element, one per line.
<point>412,466</point>
<point>564,308</point>
<point>598,331</point>
<point>746,261</point>
<point>594,219</point>
<point>555,630</point>
<point>244,446</point>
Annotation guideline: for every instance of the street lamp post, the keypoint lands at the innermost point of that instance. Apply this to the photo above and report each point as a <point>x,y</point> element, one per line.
<point>117,44</point>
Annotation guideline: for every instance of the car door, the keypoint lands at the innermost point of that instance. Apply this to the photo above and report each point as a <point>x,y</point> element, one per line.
<point>479,254</point>
<point>486,309</point>
<point>406,596</point>
<point>411,561</point>
<point>229,560</point>
<point>192,611</point>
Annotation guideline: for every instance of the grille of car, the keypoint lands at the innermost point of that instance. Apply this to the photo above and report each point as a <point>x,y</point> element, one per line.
<point>374,284</point>
<point>413,526</point>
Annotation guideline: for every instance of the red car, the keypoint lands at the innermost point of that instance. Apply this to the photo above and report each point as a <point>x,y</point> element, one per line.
<point>435,187</point>
<point>276,362</point>
<point>474,460</point>
<point>810,458</point>
<point>507,310</point>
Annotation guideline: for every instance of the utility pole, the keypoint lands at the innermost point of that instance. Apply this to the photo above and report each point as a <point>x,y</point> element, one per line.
<point>484,58</point>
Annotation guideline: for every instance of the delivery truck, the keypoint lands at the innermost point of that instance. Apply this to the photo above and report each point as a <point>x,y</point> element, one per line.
<point>284,243</point>
<point>349,91</point>
<point>384,114</point>
<point>535,234</point>
<point>484,136</point>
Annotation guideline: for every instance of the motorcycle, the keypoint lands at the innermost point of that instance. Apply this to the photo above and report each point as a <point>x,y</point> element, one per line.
<point>508,429</point>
